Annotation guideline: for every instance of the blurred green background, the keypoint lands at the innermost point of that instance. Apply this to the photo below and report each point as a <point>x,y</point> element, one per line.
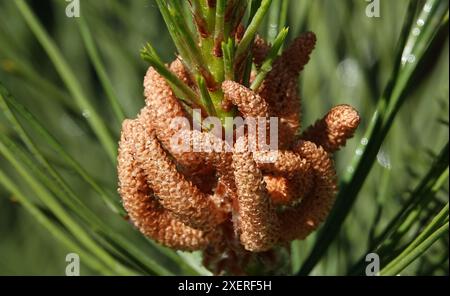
<point>351,64</point>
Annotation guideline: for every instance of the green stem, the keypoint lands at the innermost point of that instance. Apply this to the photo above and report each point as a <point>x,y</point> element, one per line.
<point>182,37</point>
<point>197,14</point>
<point>209,12</point>
<point>220,22</point>
<point>217,65</point>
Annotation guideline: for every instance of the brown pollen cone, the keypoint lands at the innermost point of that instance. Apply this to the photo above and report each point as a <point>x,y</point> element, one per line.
<point>231,198</point>
<point>298,222</point>
<point>332,131</point>
<point>258,223</point>
<point>280,88</point>
<point>248,102</point>
<point>163,110</point>
<point>142,205</point>
<point>182,198</point>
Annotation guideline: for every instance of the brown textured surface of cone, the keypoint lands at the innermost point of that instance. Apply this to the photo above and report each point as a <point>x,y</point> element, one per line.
<point>289,190</point>
<point>279,89</point>
<point>257,219</point>
<point>248,102</point>
<point>298,222</point>
<point>279,189</point>
<point>217,154</point>
<point>142,205</point>
<point>333,131</point>
<point>182,198</point>
<point>163,108</point>
<point>282,162</point>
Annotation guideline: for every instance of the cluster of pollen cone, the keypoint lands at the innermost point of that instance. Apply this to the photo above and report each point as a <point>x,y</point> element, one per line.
<point>227,203</point>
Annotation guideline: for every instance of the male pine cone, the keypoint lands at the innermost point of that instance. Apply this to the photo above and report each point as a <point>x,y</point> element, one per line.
<point>229,204</point>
